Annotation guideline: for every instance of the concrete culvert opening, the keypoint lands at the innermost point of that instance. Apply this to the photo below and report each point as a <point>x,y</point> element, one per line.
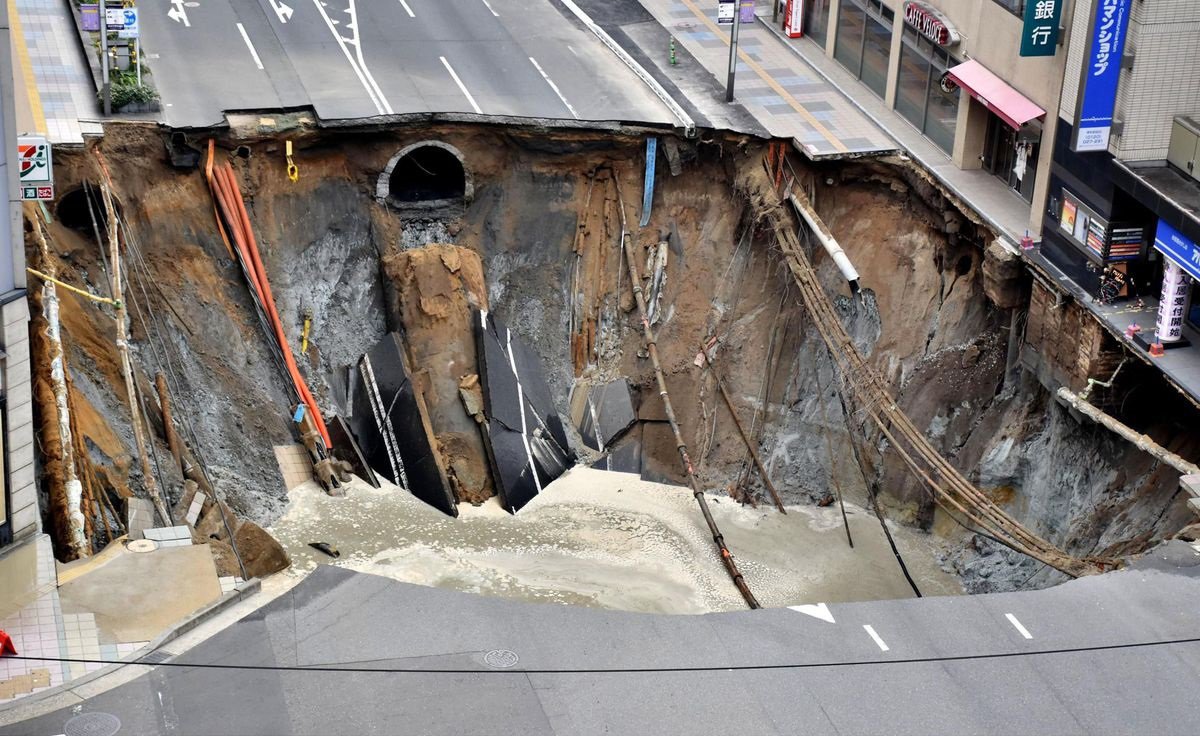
<point>427,175</point>
<point>73,210</point>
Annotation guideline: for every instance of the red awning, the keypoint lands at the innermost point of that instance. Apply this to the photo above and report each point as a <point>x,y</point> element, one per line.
<point>1009,105</point>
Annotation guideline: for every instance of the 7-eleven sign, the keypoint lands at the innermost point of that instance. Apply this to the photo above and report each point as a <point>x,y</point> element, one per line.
<point>35,168</point>
<point>33,161</point>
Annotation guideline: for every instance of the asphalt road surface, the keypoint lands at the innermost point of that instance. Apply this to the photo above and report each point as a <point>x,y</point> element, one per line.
<point>354,59</point>
<point>1110,654</point>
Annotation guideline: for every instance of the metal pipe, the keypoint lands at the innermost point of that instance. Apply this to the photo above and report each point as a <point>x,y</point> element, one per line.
<point>660,377</point>
<point>762,471</point>
<point>733,45</point>
<point>805,209</point>
<point>1139,440</point>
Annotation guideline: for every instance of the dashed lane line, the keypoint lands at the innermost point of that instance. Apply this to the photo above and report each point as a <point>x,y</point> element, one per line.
<point>253,52</point>
<point>554,87</point>
<point>407,9</point>
<point>491,9</point>
<point>878,641</point>
<point>461,86</point>
<point>1017,625</point>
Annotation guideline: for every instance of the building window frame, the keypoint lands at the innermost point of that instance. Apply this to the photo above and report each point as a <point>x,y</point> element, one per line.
<point>1016,7</point>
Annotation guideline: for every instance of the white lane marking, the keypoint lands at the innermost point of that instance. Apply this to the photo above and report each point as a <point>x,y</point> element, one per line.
<point>512,361</point>
<point>178,14</point>
<point>354,65</point>
<point>554,87</point>
<point>1017,624</point>
<point>882,647</point>
<point>461,86</point>
<point>407,9</point>
<point>352,11</point>
<point>816,610</point>
<point>282,10</point>
<point>246,38</point>
<point>489,7</point>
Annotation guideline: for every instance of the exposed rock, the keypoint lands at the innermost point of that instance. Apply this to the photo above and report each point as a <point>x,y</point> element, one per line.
<point>261,554</point>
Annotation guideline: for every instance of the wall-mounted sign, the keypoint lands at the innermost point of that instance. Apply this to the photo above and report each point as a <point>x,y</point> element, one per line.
<point>1178,248</point>
<point>35,168</point>
<point>793,18</point>
<point>726,10</point>
<point>1101,72</point>
<point>1039,37</point>
<point>930,23</point>
<point>89,17</point>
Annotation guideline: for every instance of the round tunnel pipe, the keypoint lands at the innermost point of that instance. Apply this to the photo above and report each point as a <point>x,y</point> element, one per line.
<point>805,209</point>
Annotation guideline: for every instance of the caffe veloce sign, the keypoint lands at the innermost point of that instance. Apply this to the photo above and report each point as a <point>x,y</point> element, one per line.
<point>930,23</point>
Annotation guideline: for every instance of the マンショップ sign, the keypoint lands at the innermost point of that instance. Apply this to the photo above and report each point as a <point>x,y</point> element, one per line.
<point>930,23</point>
<point>1101,72</point>
<point>1039,36</point>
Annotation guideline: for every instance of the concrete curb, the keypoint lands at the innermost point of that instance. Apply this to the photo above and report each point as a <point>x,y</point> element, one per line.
<point>237,595</point>
<point>689,125</point>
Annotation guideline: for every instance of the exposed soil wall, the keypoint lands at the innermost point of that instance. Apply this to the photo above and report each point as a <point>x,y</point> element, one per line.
<point>545,221</point>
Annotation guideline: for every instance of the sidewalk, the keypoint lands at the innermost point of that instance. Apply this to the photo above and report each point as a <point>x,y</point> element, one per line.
<point>1000,207</point>
<point>786,95</point>
<point>54,88</point>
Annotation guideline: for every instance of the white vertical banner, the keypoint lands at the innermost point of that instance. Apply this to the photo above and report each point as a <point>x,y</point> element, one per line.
<point>1171,303</point>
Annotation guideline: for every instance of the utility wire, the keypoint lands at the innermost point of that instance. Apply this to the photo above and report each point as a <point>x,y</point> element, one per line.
<point>327,668</point>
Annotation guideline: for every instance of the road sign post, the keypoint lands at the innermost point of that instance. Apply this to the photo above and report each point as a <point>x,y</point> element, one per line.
<point>106,89</point>
<point>733,44</point>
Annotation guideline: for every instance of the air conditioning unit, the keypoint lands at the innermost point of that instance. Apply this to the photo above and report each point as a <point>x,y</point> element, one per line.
<point>1184,149</point>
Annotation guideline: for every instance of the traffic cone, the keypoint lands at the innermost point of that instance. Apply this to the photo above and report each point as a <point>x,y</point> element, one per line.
<point>6,644</point>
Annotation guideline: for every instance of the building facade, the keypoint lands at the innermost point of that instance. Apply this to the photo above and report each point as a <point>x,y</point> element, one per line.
<point>954,69</point>
<point>20,518</point>
<point>1124,185</point>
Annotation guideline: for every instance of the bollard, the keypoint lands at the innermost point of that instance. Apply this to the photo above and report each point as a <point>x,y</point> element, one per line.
<point>673,62</point>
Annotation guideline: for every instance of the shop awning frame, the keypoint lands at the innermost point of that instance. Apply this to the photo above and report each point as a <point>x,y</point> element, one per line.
<point>996,95</point>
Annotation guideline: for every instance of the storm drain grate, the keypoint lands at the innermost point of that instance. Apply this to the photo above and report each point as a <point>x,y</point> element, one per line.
<point>92,724</point>
<point>158,656</point>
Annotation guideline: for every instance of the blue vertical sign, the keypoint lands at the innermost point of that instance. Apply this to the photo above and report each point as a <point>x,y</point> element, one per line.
<point>1101,72</point>
<point>1039,37</point>
<point>1179,248</point>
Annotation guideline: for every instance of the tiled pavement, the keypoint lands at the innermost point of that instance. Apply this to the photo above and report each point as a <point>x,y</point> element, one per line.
<point>41,629</point>
<point>1002,208</point>
<point>787,96</point>
<point>49,56</point>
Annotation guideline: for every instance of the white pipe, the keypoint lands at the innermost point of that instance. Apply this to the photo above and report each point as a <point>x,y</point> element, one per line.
<point>809,215</point>
<point>77,540</point>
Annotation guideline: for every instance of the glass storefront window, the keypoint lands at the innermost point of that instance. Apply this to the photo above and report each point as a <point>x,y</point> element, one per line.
<point>864,41</point>
<point>852,21</point>
<point>816,20</point>
<point>919,94</point>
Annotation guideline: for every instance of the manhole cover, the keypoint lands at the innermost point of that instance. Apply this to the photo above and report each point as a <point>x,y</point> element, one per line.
<point>92,724</point>
<point>141,545</point>
<point>501,658</point>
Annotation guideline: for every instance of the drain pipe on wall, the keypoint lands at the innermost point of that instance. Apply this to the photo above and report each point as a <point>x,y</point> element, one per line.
<point>807,213</point>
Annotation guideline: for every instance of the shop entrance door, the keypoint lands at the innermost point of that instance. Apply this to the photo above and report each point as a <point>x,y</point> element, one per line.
<point>1010,158</point>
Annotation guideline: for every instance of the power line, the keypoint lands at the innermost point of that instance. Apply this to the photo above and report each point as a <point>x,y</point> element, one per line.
<point>327,668</point>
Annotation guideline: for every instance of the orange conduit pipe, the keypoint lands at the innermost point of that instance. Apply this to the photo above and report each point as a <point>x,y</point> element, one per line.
<point>228,199</point>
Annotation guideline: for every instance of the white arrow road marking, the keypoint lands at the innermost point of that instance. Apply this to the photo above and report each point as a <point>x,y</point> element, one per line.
<point>178,14</point>
<point>461,86</point>
<point>282,10</point>
<point>882,647</point>
<point>554,87</point>
<point>246,38</point>
<point>1017,625</point>
<point>407,9</point>
<point>816,610</point>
